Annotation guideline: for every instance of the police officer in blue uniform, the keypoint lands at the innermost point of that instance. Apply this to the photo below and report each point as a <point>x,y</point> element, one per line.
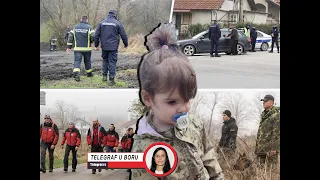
<point>214,36</point>
<point>107,34</point>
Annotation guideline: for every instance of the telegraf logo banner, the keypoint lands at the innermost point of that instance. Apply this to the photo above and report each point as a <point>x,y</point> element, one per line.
<point>115,160</point>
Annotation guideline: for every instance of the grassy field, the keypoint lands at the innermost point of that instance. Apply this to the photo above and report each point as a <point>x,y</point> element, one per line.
<point>255,171</point>
<point>85,82</point>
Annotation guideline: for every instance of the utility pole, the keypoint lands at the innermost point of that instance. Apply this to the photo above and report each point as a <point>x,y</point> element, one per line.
<point>241,12</point>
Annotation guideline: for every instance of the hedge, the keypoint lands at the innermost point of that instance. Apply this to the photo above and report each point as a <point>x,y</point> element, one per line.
<point>197,28</point>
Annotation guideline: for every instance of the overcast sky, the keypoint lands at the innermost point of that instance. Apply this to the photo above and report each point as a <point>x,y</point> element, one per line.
<point>113,104</point>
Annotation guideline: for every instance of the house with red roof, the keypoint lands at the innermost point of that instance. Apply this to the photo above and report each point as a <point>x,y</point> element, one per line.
<point>187,12</point>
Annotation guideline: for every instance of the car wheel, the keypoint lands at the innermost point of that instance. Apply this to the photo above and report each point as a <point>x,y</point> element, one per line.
<point>189,50</point>
<point>264,46</point>
<point>240,49</point>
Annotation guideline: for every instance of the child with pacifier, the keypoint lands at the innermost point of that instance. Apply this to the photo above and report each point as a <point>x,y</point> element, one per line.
<point>167,84</point>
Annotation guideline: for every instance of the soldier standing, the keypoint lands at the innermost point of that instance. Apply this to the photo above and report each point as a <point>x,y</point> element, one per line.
<point>268,137</point>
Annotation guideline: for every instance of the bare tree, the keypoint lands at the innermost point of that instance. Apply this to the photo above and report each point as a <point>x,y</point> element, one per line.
<point>196,103</point>
<point>239,107</point>
<point>65,113</point>
<point>212,102</point>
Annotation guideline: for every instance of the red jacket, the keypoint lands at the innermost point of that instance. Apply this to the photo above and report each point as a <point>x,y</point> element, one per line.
<point>111,139</point>
<point>72,136</point>
<point>126,141</point>
<point>49,133</point>
<point>101,133</point>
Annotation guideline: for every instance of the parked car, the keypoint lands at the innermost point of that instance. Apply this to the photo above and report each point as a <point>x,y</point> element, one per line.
<point>263,41</point>
<point>200,43</point>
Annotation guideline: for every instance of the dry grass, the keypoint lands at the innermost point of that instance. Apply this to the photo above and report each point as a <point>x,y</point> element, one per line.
<point>254,172</point>
<point>136,45</point>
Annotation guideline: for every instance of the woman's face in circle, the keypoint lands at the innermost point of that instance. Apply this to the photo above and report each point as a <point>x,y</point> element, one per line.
<point>160,158</point>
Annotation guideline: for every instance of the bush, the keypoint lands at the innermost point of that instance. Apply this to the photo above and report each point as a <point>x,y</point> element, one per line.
<point>197,28</point>
<point>266,28</point>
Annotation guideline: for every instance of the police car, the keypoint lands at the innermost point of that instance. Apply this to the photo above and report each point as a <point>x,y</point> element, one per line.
<point>263,41</point>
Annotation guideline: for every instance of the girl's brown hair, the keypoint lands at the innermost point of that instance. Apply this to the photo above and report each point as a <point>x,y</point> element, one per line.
<point>165,68</point>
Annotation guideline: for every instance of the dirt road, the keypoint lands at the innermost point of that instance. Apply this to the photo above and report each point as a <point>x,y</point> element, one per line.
<point>59,65</point>
<point>83,173</point>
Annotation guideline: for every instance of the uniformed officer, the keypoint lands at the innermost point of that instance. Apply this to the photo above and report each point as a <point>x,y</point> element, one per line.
<point>214,36</point>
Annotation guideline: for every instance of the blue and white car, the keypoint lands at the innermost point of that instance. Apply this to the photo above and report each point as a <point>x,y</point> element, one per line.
<point>263,41</point>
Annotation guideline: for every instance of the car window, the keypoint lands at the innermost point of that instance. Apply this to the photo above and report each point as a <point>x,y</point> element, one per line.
<point>259,34</point>
<point>224,33</point>
<point>241,34</point>
<point>206,35</point>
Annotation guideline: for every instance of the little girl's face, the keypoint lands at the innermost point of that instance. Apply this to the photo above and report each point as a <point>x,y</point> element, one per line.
<point>165,105</point>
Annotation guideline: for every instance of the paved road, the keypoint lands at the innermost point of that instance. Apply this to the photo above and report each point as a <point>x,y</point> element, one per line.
<point>83,174</point>
<point>258,70</point>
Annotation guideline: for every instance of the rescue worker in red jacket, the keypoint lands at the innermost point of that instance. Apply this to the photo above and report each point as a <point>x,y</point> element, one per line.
<point>123,141</point>
<point>73,138</point>
<point>95,138</point>
<point>49,136</point>
<point>126,141</point>
<point>111,140</point>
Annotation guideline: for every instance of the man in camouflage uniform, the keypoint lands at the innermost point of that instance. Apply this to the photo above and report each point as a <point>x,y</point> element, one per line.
<point>268,137</point>
<point>196,155</point>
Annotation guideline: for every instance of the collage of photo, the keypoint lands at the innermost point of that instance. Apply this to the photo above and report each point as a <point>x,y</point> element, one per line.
<point>188,90</point>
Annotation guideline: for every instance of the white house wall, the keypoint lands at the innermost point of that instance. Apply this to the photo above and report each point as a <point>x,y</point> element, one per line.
<point>204,17</point>
<point>227,5</point>
<point>255,17</point>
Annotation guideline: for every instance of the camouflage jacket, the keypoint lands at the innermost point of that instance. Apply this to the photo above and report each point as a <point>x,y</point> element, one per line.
<point>196,156</point>
<point>268,137</point>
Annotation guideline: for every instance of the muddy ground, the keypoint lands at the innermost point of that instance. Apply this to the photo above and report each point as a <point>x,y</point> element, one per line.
<point>58,65</point>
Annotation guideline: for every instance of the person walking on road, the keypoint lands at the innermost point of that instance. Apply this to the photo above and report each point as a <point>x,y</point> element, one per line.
<point>228,141</point>
<point>253,37</point>
<point>127,141</point>
<point>275,38</point>
<point>95,138</point>
<point>81,36</point>
<point>111,140</point>
<point>107,32</point>
<point>214,36</point>
<point>233,40</point>
<point>73,138</point>
<point>49,136</point>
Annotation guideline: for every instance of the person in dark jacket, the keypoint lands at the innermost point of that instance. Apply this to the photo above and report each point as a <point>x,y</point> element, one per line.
<point>107,32</point>
<point>53,43</point>
<point>228,141</point>
<point>95,138</point>
<point>81,36</point>
<point>214,36</point>
<point>253,37</point>
<point>66,36</point>
<point>275,37</point>
<point>233,40</point>
<point>73,138</point>
<point>49,136</point>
